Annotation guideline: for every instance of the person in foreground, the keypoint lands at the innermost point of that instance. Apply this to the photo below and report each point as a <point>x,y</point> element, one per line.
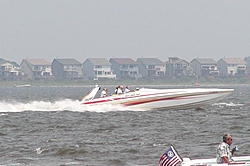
<point>223,153</point>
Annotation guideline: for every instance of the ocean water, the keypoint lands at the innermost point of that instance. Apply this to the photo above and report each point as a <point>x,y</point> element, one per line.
<point>48,126</point>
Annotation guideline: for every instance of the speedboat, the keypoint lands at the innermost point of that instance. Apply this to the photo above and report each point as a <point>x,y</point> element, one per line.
<point>146,98</point>
<point>172,158</point>
<point>238,161</point>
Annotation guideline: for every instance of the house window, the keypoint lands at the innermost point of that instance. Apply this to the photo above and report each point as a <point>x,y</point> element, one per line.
<point>124,66</point>
<point>46,73</point>
<point>2,68</point>
<point>160,73</point>
<point>151,67</point>
<point>179,66</point>
<point>98,66</point>
<point>205,67</point>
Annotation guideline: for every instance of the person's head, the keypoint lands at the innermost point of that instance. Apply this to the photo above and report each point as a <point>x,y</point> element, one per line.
<point>227,138</point>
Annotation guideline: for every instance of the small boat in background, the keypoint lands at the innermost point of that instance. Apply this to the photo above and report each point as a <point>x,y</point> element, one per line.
<point>24,85</point>
<point>196,84</point>
<point>146,98</point>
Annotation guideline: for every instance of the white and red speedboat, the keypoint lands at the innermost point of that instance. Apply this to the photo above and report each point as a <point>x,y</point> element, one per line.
<point>145,98</point>
<point>238,161</point>
<point>172,158</point>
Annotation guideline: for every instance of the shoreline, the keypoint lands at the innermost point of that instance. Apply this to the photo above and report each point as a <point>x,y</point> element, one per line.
<point>189,82</point>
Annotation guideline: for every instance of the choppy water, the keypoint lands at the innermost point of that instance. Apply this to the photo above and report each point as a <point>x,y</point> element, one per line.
<point>48,126</point>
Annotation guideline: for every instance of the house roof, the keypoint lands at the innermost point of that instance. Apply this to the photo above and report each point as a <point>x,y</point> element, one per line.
<point>205,60</point>
<point>37,61</point>
<point>238,61</point>
<point>174,60</point>
<point>13,63</point>
<point>150,61</point>
<point>180,60</point>
<point>68,61</point>
<point>124,61</point>
<point>2,60</point>
<point>99,61</point>
<point>3,63</point>
<point>247,58</point>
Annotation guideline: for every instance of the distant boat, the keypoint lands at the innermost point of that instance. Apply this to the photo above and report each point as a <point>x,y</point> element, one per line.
<point>24,85</point>
<point>196,84</point>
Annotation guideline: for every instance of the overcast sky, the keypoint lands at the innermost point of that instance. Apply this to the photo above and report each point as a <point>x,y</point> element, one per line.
<point>81,29</point>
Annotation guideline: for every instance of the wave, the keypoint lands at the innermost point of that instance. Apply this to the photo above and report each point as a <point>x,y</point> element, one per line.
<point>227,104</point>
<point>73,105</point>
<point>61,105</point>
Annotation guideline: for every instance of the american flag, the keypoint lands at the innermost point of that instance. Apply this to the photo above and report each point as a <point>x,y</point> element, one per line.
<point>170,158</point>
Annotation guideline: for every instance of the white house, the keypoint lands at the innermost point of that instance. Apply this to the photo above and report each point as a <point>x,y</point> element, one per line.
<point>66,68</point>
<point>151,67</point>
<point>10,70</point>
<point>96,68</point>
<point>232,66</point>
<point>125,67</point>
<point>36,68</point>
<point>204,67</point>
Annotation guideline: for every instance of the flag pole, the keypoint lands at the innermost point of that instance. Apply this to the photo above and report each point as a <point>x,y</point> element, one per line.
<point>176,151</point>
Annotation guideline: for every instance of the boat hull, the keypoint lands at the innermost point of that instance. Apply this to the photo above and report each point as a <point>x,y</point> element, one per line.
<point>164,99</point>
<point>183,102</point>
<point>238,161</point>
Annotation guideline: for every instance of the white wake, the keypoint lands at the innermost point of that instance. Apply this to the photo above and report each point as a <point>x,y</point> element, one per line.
<point>62,105</point>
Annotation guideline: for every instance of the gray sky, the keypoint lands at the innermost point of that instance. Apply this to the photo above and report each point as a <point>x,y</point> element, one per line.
<point>81,29</point>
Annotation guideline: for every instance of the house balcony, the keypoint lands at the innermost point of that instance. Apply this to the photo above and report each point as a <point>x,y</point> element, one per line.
<point>5,69</point>
<point>241,68</point>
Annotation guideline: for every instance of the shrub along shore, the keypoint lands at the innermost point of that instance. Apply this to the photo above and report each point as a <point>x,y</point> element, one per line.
<point>182,81</point>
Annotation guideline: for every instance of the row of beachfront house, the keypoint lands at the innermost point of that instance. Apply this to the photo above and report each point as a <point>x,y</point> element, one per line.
<point>98,68</point>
